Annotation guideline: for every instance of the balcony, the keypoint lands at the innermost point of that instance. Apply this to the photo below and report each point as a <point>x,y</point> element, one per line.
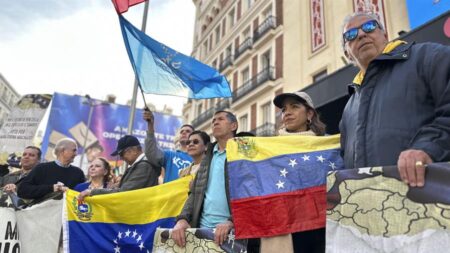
<point>227,62</point>
<point>243,47</point>
<point>256,81</point>
<point>223,104</point>
<point>266,129</point>
<point>269,24</point>
<point>206,115</point>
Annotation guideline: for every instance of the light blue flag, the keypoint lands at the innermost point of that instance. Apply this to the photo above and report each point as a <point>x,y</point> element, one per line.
<point>162,70</point>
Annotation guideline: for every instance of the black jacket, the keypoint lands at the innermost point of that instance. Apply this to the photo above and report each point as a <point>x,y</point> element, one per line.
<point>403,103</point>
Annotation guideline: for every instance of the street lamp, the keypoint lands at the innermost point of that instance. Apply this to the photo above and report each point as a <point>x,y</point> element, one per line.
<point>91,103</point>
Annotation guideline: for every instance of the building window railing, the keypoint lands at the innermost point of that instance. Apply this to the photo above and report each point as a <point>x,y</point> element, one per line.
<point>266,129</point>
<point>223,104</point>
<point>269,23</point>
<point>246,44</point>
<point>228,61</point>
<point>208,114</point>
<point>264,75</point>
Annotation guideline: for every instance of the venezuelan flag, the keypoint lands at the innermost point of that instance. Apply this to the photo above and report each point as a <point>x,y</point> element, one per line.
<point>278,184</point>
<point>121,222</point>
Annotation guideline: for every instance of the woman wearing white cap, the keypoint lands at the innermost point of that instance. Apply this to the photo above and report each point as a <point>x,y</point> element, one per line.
<point>299,117</point>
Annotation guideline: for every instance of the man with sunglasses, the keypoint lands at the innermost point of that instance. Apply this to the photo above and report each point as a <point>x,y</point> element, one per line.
<point>140,173</point>
<point>398,112</point>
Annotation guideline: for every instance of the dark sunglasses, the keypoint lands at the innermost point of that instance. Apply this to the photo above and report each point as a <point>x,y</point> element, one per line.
<point>367,27</point>
<point>195,142</point>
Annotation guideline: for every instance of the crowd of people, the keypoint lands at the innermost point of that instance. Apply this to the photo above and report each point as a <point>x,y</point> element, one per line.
<point>398,113</point>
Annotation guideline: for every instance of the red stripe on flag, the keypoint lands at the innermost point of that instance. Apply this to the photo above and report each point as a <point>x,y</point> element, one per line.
<point>123,5</point>
<point>279,214</point>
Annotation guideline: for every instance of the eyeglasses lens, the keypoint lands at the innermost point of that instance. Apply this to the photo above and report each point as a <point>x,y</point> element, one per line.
<point>195,142</point>
<point>367,27</point>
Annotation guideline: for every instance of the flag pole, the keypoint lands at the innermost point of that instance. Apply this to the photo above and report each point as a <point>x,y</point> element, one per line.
<point>136,80</point>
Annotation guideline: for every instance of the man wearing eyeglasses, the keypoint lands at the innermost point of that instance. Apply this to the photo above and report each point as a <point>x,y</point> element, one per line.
<point>398,112</point>
<point>140,174</point>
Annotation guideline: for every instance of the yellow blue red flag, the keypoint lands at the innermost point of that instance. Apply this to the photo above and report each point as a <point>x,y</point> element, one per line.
<point>121,222</point>
<point>278,184</point>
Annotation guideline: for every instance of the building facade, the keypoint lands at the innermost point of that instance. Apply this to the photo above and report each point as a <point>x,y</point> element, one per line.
<point>8,98</point>
<point>266,47</point>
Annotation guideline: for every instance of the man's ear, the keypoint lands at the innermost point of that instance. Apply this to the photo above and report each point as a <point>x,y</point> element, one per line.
<point>234,126</point>
<point>348,55</point>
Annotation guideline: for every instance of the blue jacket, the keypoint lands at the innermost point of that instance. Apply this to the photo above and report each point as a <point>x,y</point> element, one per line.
<point>403,103</point>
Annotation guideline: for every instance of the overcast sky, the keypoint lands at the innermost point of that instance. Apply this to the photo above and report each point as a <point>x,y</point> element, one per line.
<point>76,47</point>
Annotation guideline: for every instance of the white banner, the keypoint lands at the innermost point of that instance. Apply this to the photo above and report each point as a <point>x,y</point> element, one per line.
<point>9,234</point>
<point>37,227</point>
<point>20,126</point>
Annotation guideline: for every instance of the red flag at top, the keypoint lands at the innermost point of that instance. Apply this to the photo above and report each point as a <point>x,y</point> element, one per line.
<point>122,5</point>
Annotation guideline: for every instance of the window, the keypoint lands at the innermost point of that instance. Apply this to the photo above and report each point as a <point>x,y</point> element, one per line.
<point>245,75</point>
<point>265,60</point>
<point>320,76</point>
<point>228,51</point>
<point>11,100</point>
<point>267,12</point>
<point>249,3</point>
<point>231,19</point>
<point>266,113</point>
<point>243,123</point>
<point>205,49</point>
<point>199,108</point>
<point>217,34</point>
<point>246,33</point>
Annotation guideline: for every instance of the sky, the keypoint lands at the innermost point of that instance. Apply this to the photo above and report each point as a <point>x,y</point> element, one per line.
<point>76,47</point>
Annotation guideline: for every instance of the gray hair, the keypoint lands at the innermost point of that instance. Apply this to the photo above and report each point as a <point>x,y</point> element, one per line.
<point>231,117</point>
<point>371,15</point>
<point>63,144</point>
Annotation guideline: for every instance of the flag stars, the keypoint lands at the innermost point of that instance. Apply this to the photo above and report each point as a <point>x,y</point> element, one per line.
<point>332,165</point>
<point>320,158</point>
<point>117,249</point>
<point>8,201</point>
<point>127,234</point>
<point>141,246</point>
<point>283,172</point>
<point>305,158</point>
<point>280,184</point>
<point>139,238</point>
<point>134,234</point>
<point>292,162</point>
<point>119,235</point>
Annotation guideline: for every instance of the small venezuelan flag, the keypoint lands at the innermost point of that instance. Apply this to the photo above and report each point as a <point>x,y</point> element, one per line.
<point>278,184</point>
<point>121,222</point>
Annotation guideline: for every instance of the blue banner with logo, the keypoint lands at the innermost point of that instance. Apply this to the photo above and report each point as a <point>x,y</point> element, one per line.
<point>69,118</point>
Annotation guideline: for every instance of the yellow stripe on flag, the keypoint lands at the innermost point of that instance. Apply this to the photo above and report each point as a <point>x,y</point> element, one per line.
<point>132,207</point>
<point>261,148</point>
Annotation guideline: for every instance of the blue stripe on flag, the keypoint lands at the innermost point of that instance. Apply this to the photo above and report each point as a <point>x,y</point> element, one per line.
<point>106,237</point>
<point>281,174</point>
